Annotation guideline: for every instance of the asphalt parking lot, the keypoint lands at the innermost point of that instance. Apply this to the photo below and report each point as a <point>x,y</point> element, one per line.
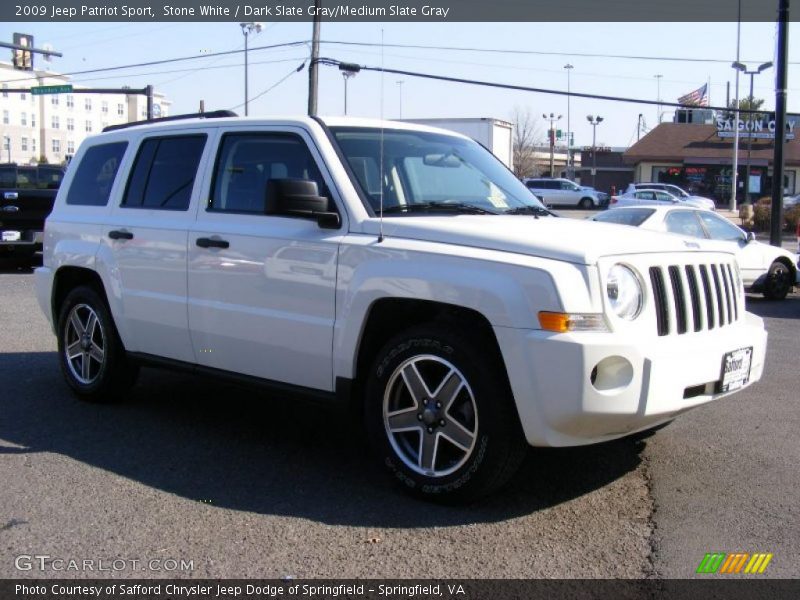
<point>241,484</point>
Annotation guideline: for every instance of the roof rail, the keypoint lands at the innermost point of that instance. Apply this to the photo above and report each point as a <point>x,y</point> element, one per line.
<point>214,114</point>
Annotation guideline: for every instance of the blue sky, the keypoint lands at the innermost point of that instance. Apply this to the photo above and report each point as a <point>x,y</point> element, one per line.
<point>219,80</point>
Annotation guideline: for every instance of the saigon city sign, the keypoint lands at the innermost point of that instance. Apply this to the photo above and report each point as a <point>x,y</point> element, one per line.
<point>759,130</point>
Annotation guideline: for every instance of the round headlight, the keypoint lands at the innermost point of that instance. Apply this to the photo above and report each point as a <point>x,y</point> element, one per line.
<point>624,292</point>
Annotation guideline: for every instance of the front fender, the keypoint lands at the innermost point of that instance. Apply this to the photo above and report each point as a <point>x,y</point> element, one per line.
<point>507,289</point>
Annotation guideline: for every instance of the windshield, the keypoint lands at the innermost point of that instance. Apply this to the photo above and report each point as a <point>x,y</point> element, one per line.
<point>426,170</point>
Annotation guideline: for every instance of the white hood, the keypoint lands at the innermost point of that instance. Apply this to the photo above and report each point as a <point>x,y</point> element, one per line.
<point>571,240</point>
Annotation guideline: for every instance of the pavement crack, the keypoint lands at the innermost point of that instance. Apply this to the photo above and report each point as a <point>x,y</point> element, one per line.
<point>13,523</point>
<point>650,570</point>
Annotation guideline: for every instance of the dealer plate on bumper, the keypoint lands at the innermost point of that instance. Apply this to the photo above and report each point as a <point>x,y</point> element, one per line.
<point>10,236</point>
<point>735,370</point>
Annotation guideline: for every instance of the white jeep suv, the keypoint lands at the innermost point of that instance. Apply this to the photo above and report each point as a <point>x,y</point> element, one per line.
<point>395,268</point>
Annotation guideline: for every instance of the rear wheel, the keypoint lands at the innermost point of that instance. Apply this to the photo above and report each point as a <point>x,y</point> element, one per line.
<point>586,203</point>
<point>91,354</point>
<point>778,282</point>
<point>441,417</point>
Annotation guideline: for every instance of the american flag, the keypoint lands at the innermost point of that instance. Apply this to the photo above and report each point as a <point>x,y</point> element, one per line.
<point>698,97</point>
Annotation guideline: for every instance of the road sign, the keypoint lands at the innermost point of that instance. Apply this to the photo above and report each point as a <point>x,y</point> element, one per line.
<point>50,89</point>
<point>558,134</point>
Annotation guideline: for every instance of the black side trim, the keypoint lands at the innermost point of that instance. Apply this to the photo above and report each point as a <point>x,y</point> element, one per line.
<point>306,393</point>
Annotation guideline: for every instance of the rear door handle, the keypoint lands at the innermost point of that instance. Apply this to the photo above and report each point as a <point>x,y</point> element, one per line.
<point>120,234</point>
<point>212,243</point>
<point>11,195</point>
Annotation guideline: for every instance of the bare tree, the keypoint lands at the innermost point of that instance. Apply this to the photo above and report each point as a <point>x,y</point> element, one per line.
<point>527,133</point>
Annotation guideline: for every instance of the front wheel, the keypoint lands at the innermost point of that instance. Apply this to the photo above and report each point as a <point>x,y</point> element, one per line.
<point>586,203</point>
<point>91,354</point>
<point>779,281</point>
<point>441,416</point>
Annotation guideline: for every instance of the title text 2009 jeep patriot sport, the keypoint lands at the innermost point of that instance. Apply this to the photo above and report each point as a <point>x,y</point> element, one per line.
<point>466,324</point>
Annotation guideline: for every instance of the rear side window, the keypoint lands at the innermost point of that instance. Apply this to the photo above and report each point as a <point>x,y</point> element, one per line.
<point>247,161</point>
<point>92,183</point>
<point>49,178</point>
<point>164,173</point>
<point>8,177</point>
<point>625,216</point>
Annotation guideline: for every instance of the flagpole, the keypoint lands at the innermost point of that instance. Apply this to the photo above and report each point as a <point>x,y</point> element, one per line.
<point>735,169</point>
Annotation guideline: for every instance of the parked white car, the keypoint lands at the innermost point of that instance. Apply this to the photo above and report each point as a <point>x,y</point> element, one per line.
<point>676,191</point>
<point>563,192</point>
<point>642,197</point>
<point>764,268</point>
<point>396,271</point>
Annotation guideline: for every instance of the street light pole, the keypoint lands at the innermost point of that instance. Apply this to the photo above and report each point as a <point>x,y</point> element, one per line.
<point>570,170</point>
<point>743,68</point>
<point>658,97</point>
<point>552,118</point>
<point>735,168</point>
<point>400,83</point>
<point>247,29</point>
<point>594,122</point>
<point>346,75</point>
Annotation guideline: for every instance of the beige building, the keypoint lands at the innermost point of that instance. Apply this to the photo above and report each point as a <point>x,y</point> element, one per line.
<point>52,126</point>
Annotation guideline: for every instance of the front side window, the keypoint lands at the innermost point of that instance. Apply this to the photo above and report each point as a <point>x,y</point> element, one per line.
<point>684,222</point>
<point>164,172</point>
<point>246,163</point>
<point>92,183</point>
<point>720,228</point>
<point>429,170</point>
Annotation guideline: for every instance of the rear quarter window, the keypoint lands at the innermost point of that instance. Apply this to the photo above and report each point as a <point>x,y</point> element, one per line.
<point>95,175</point>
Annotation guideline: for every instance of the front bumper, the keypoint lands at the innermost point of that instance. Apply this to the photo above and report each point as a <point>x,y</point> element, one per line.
<point>559,405</point>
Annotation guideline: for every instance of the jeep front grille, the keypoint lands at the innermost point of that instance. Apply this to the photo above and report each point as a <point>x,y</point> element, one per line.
<point>694,297</point>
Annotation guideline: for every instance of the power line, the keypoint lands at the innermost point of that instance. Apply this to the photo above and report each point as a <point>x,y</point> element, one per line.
<point>274,85</point>
<point>169,60</point>
<point>534,52</point>
<point>335,63</point>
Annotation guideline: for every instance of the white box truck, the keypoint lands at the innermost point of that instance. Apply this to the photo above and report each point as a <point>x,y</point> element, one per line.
<point>494,134</point>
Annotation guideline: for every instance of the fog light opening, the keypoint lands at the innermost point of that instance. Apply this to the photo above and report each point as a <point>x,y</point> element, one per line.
<point>612,374</point>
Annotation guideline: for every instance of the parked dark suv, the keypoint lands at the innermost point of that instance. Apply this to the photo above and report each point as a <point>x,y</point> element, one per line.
<point>27,193</point>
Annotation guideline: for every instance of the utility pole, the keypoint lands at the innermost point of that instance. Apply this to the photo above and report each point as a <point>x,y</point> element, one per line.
<point>639,127</point>
<point>735,169</point>
<point>658,97</point>
<point>594,122</point>
<point>570,169</point>
<point>552,135</point>
<point>780,123</point>
<point>313,74</point>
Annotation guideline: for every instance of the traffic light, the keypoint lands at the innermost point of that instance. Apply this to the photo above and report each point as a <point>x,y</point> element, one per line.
<point>22,59</point>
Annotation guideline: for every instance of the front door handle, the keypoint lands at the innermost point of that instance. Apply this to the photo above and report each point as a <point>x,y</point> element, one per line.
<point>120,234</point>
<point>11,196</point>
<point>212,243</point>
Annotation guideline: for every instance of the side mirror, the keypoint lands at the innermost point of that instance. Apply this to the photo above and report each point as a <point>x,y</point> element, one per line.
<point>299,198</point>
<point>750,237</point>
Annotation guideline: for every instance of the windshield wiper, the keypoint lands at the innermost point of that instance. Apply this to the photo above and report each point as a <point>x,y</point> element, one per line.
<point>460,207</point>
<point>536,211</point>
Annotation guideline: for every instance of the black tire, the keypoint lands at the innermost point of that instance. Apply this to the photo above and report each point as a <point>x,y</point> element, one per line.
<point>483,406</point>
<point>586,203</point>
<point>106,380</point>
<point>779,281</point>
